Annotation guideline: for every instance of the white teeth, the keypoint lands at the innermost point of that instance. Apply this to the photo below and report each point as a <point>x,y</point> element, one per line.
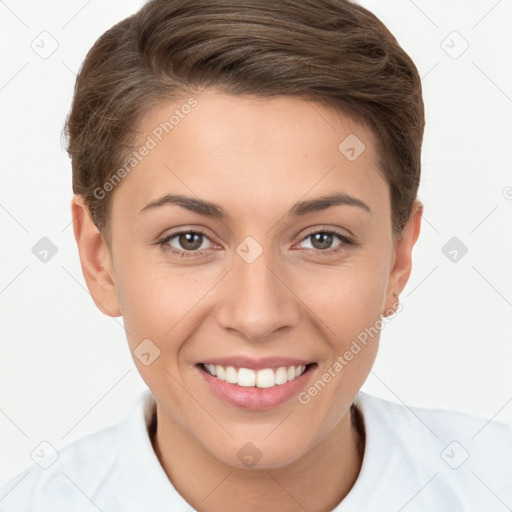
<point>246,377</point>
<point>221,373</point>
<point>231,376</point>
<point>281,375</point>
<point>265,378</point>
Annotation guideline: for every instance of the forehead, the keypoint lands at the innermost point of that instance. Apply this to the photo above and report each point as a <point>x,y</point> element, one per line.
<point>244,151</point>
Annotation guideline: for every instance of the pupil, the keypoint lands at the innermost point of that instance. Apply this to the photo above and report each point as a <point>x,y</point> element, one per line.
<point>190,241</point>
<point>322,240</point>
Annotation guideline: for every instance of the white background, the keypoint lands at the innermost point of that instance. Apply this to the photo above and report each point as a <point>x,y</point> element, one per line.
<point>65,369</point>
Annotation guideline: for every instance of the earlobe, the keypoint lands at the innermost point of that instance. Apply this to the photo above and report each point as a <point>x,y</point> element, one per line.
<point>392,308</point>
<point>402,265</point>
<point>95,259</point>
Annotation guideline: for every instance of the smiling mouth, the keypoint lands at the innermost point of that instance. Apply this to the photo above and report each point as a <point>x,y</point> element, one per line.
<point>263,378</point>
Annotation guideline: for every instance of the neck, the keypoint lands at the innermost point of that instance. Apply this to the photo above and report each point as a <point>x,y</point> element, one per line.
<point>315,482</point>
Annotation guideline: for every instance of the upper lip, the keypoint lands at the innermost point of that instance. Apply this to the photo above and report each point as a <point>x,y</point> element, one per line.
<point>256,364</point>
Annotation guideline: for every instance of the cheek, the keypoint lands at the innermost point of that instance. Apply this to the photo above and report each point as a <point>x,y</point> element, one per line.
<point>347,298</point>
<point>348,301</point>
<point>160,304</point>
<point>152,305</point>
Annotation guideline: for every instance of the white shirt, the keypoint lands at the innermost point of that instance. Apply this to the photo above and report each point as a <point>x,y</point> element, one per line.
<point>415,460</point>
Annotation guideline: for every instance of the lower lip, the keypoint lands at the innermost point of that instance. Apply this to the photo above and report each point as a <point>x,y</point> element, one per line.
<point>254,398</point>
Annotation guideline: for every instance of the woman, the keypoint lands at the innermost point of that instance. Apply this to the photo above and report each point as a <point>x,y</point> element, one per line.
<point>245,177</point>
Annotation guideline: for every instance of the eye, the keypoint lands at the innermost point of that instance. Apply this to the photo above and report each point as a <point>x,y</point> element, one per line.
<point>323,241</point>
<point>194,243</point>
<point>187,243</point>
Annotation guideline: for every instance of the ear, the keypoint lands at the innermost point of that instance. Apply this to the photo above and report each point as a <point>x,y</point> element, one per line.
<point>402,264</point>
<point>95,259</point>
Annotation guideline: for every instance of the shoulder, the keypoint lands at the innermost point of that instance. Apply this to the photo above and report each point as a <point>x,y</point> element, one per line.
<point>53,477</point>
<point>90,471</point>
<point>403,419</point>
<point>444,459</point>
<point>408,426</point>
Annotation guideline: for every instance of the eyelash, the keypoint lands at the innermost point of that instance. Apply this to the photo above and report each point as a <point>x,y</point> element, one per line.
<point>346,242</point>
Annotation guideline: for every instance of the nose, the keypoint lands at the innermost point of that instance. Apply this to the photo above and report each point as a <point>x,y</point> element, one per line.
<point>257,301</point>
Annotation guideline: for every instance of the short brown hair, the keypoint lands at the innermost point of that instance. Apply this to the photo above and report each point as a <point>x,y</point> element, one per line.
<point>332,51</point>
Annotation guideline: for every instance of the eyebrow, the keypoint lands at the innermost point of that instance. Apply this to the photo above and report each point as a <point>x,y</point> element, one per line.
<point>300,208</point>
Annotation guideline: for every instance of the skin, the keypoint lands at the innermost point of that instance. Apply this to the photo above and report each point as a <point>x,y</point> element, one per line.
<point>256,158</point>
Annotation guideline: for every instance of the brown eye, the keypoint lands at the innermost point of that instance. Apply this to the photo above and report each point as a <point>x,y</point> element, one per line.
<point>190,241</point>
<point>322,240</point>
<point>187,242</point>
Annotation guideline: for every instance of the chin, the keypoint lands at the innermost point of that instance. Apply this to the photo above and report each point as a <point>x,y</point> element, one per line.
<point>257,455</point>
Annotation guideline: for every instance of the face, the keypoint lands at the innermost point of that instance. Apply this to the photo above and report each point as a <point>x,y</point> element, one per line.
<point>246,238</point>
